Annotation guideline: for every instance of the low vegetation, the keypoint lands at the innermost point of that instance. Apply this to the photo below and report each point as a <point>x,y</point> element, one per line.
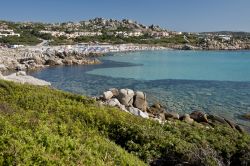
<point>24,39</point>
<point>43,126</point>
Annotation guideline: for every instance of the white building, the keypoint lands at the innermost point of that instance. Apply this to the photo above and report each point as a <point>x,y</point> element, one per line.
<point>135,34</point>
<point>160,34</point>
<point>8,32</point>
<point>121,34</point>
<point>54,33</point>
<point>71,35</point>
<point>225,37</point>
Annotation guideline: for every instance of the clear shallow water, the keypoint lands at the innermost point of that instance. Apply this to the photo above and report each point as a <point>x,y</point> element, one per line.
<point>214,82</point>
<point>191,65</point>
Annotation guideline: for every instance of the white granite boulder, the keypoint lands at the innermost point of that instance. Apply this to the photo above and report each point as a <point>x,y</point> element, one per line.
<point>140,101</point>
<point>126,97</point>
<point>138,112</point>
<point>22,78</point>
<point>21,73</point>
<point>114,91</point>
<point>186,118</point>
<point>113,102</point>
<point>107,95</point>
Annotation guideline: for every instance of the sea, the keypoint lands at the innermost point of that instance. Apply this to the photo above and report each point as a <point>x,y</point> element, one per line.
<point>216,82</point>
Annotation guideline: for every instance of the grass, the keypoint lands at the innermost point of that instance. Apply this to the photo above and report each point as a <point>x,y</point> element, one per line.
<point>43,126</point>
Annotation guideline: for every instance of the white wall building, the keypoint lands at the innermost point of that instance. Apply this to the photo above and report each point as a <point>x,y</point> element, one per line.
<point>71,35</point>
<point>8,32</point>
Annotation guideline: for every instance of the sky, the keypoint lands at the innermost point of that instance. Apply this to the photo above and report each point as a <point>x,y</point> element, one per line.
<point>179,15</point>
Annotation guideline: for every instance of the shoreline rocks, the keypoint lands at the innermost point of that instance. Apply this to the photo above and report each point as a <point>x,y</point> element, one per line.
<point>246,116</point>
<point>140,101</point>
<point>135,103</point>
<point>25,59</point>
<point>21,77</point>
<point>36,57</point>
<point>126,97</point>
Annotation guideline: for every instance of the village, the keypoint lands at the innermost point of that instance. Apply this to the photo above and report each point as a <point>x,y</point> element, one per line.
<point>108,31</point>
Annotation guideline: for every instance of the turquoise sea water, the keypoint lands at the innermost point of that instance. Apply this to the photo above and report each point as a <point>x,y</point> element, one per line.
<point>190,65</point>
<point>216,82</point>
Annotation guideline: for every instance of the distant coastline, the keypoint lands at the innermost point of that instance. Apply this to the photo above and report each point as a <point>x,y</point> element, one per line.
<point>116,32</point>
<point>37,57</point>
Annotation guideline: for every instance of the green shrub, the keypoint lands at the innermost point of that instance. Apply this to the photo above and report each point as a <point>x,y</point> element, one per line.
<point>42,126</point>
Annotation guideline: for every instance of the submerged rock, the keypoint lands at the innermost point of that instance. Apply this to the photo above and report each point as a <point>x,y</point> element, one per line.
<point>246,116</point>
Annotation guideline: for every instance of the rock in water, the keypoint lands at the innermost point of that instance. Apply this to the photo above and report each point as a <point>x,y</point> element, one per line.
<point>126,97</point>
<point>51,62</point>
<point>199,116</point>
<point>114,91</point>
<point>107,95</point>
<point>172,115</point>
<point>246,116</point>
<point>156,109</point>
<point>215,119</point>
<point>140,101</point>
<point>186,118</point>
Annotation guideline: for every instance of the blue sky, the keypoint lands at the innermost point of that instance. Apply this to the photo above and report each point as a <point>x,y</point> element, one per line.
<point>179,15</point>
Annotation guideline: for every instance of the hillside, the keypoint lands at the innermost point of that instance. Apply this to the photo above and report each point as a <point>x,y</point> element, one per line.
<point>44,126</point>
<point>100,30</point>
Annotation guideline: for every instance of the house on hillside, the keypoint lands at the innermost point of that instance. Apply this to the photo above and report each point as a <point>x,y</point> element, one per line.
<point>8,32</point>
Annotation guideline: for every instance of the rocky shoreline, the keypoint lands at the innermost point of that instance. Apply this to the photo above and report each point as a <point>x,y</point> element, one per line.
<point>212,47</point>
<point>22,59</point>
<point>135,103</point>
<point>127,100</point>
<point>37,57</point>
<point>23,78</point>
